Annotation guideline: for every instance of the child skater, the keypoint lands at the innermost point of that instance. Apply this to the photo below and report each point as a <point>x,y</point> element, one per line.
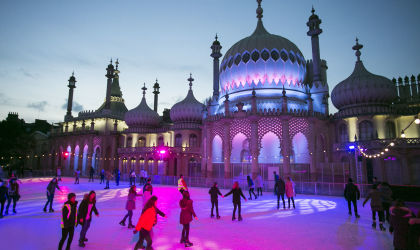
<point>130,206</point>
<point>146,222</point>
<point>251,187</point>
<point>68,221</point>
<point>236,199</point>
<point>187,212</point>
<point>214,192</point>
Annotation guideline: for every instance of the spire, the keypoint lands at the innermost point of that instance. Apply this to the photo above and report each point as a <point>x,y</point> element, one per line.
<point>358,47</point>
<point>190,79</point>
<point>116,64</point>
<point>215,38</point>
<point>259,10</point>
<point>313,10</point>
<point>144,90</point>
<point>156,92</point>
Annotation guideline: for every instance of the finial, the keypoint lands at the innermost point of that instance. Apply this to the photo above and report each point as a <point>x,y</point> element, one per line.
<point>110,62</point>
<point>259,10</point>
<point>357,47</point>
<point>144,89</point>
<point>284,92</point>
<point>116,63</point>
<point>216,37</point>
<point>190,80</point>
<point>253,92</point>
<point>72,74</point>
<point>313,10</point>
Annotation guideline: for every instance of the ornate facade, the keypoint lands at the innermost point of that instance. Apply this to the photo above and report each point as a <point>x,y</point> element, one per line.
<point>268,111</point>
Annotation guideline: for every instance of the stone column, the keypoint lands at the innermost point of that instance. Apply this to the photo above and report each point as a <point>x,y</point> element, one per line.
<point>209,152</point>
<point>285,147</point>
<point>254,147</point>
<point>312,148</point>
<point>227,149</point>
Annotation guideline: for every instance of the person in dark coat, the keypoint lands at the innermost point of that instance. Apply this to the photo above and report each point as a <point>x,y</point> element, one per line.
<point>414,235</point>
<point>251,187</point>
<point>276,177</point>
<point>376,206</point>
<point>77,176</point>
<point>399,226</point>
<point>12,194</point>
<point>386,191</point>
<point>91,172</point>
<point>280,190</point>
<point>352,195</point>
<point>52,186</point>
<point>84,216</point>
<point>130,206</point>
<point>102,176</point>
<point>214,194</point>
<point>68,221</point>
<point>3,196</point>
<point>117,176</point>
<point>186,216</point>
<point>236,192</point>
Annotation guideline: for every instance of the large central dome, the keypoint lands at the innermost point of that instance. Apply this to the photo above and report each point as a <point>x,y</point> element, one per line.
<point>262,61</point>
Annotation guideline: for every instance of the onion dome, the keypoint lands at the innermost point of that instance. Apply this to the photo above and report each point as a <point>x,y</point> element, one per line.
<point>188,110</point>
<point>262,60</point>
<point>363,90</point>
<point>142,115</point>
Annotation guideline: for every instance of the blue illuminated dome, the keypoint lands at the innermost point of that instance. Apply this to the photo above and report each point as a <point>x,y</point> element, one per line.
<point>262,61</point>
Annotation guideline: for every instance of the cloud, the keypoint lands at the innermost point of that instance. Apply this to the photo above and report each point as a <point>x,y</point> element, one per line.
<point>40,106</point>
<point>27,73</point>
<point>5,100</point>
<point>77,107</point>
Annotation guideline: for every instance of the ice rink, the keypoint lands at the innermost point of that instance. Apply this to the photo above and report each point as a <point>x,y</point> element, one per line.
<point>318,222</point>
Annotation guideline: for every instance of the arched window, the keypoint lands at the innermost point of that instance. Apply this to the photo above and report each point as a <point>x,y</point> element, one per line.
<point>193,140</point>
<point>343,136</point>
<point>390,130</point>
<point>129,142</point>
<point>178,140</point>
<point>365,130</point>
<point>160,141</point>
<point>141,142</point>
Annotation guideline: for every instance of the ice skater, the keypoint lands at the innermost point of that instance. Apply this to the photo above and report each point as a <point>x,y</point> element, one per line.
<point>117,176</point>
<point>399,225</point>
<point>236,192</point>
<point>102,176</point>
<point>91,172</point>
<point>251,187</point>
<point>182,185</point>
<point>276,177</point>
<point>147,191</point>
<point>59,173</point>
<point>77,176</point>
<point>376,206</point>
<point>52,186</point>
<point>3,196</point>
<point>12,194</point>
<point>214,195</point>
<point>68,220</point>
<point>146,222</point>
<point>108,178</point>
<point>386,191</point>
<point>132,178</point>
<point>84,216</point>
<point>130,206</point>
<point>280,189</point>
<point>259,185</point>
<point>185,218</point>
<point>290,191</point>
<point>352,195</point>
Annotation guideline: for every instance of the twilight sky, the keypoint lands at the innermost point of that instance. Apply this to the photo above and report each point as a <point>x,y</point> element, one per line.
<point>42,42</point>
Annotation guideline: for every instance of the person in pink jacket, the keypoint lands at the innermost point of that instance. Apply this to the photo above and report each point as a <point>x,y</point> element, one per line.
<point>290,191</point>
<point>130,206</point>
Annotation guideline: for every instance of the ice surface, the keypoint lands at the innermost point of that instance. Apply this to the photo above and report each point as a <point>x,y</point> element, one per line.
<point>319,222</point>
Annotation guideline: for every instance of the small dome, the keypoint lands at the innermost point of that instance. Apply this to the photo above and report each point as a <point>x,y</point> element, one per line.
<point>188,110</point>
<point>142,116</point>
<point>363,88</point>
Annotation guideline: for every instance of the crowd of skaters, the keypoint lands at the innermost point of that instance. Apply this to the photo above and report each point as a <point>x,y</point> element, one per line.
<point>403,224</point>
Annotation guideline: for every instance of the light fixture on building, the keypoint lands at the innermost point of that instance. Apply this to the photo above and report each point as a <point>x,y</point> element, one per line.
<point>392,144</point>
<point>417,120</point>
<point>402,134</point>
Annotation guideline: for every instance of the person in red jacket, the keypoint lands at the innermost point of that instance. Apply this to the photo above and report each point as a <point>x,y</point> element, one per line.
<point>187,212</point>
<point>146,222</point>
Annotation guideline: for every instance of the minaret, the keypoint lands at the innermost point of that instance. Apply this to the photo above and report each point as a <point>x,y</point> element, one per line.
<point>215,53</point>
<point>109,75</point>
<point>314,32</point>
<point>72,85</point>
<point>156,93</point>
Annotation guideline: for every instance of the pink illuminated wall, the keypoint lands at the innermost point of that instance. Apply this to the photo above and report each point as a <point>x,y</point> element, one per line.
<point>240,147</point>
